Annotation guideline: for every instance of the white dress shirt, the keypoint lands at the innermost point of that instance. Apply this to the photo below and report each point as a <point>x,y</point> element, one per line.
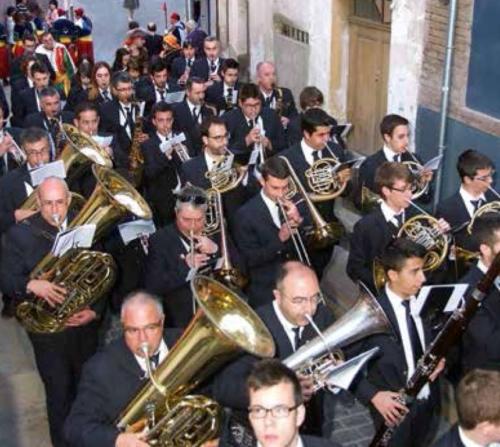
<point>210,160</point>
<point>308,152</point>
<point>389,153</point>
<point>163,349</point>
<point>466,441</point>
<point>299,443</point>
<point>390,214</point>
<point>467,197</point>
<point>287,326</point>
<point>273,209</point>
<point>191,108</point>
<point>400,312</point>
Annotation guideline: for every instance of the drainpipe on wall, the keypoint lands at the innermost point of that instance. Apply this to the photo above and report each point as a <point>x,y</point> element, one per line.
<point>445,97</point>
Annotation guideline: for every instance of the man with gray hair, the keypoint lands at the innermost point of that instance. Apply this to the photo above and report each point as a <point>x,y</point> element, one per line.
<point>113,376</point>
<point>176,252</point>
<point>59,356</point>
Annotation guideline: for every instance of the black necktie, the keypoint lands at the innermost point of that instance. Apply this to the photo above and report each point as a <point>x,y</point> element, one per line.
<point>476,204</point>
<point>316,155</point>
<point>213,67</point>
<point>267,101</point>
<point>129,122</point>
<point>154,360</point>
<point>250,124</point>
<point>416,345</point>
<point>296,340</point>
<point>189,63</point>
<point>162,95</point>
<point>195,114</point>
<point>105,95</point>
<point>229,94</point>
<point>400,218</point>
<point>281,218</point>
<point>396,158</point>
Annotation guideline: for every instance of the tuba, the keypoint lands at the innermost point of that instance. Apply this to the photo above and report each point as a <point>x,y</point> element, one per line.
<point>87,275</point>
<point>226,273</point>
<point>322,234</point>
<point>223,326</point>
<point>80,151</point>
<point>320,356</point>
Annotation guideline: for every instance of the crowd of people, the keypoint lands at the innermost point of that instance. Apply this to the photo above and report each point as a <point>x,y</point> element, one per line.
<point>185,171</point>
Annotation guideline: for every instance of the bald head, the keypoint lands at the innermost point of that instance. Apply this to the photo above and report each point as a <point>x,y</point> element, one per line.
<point>53,198</point>
<point>292,271</point>
<point>266,75</point>
<point>140,300</point>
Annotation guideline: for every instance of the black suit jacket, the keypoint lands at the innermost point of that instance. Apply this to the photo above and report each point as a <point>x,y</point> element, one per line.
<point>3,103</point>
<point>238,129</point>
<point>450,439</point>
<point>37,119</point>
<point>99,400</point>
<point>372,233</point>
<point>215,96</point>
<point>12,195</point>
<point>288,103</point>
<point>479,350</point>
<point>257,239</point>
<point>178,68</point>
<point>24,104</point>
<point>154,43</point>
<point>146,92</point>
<point>201,68</point>
<point>184,122</point>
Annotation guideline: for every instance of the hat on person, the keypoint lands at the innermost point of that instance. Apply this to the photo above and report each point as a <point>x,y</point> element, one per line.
<point>79,12</point>
<point>175,16</point>
<point>171,41</point>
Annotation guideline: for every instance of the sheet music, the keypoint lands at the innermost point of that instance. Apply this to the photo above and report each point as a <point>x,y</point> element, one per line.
<point>81,237</point>
<point>457,291</point>
<point>433,163</point>
<point>166,146</point>
<point>103,141</point>
<point>134,229</point>
<point>54,169</point>
<point>174,97</point>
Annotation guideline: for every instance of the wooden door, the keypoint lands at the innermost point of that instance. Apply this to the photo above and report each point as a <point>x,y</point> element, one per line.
<point>369,46</point>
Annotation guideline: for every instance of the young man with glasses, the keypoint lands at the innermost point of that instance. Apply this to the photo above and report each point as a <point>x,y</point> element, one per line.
<point>400,351</point>
<point>113,377</point>
<point>276,408</point>
<point>476,173</point>
<point>373,232</point>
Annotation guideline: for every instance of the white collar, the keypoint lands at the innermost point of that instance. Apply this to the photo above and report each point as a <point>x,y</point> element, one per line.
<point>124,106</point>
<point>191,105</point>
<point>164,137</point>
<point>215,62</point>
<point>265,95</point>
<point>481,266</point>
<point>299,443</point>
<point>210,160</point>
<point>466,196</point>
<point>389,153</point>
<point>308,151</point>
<point>389,213</point>
<point>287,326</point>
<point>163,350</point>
<point>467,442</point>
<point>396,300</point>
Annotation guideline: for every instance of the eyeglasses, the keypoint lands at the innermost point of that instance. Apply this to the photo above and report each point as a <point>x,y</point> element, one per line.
<point>219,137</point>
<point>124,89</point>
<point>148,329</point>
<point>251,105</point>
<point>278,412</point>
<point>196,199</point>
<point>314,299</point>
<point>40,152</point>
<point>485,178</point>
<point>402,190</point>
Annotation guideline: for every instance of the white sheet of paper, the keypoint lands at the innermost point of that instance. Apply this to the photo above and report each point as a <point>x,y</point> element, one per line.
<point>191,274</point>
<point>359,162</point>
<point>54,169</point>
<point>254,156</point>
<point>170,98</point>
<point>29,189</point>
<point>130,231</point>
<point>176,139</point>
<point>456,297</point>
<point>81,237</point>
<point>103,141</point>
<point>433,163</point>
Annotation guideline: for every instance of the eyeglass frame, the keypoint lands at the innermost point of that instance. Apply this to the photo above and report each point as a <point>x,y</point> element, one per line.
<point>299,300</point>
<point>271,411</point>
<point>192,198</point>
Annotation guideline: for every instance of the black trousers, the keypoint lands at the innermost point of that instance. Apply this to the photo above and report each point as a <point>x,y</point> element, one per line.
<point>59,358</point>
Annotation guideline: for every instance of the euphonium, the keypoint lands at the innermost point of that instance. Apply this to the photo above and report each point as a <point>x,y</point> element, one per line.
<point>223,326</point>
<point>322,234</point>
<point>79,153</point>
<point>226,273</point>
<point>86,275</point>
<point>322,354</point>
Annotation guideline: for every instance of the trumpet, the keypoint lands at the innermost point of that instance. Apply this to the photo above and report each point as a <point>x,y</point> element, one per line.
<point>295,236</point>
<point>17,153</point>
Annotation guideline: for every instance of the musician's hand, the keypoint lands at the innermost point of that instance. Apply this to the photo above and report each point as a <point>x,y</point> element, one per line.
<point>214,77</point>
<point>426,175</point>
<point>285,121</point>
<point>6,144</point>
<point>306,385</point>
<point>197,261</point>
<point>81,318</point>
<point>50,292</point>
<point>292,213</point>
<point>253,136</point>
<point>345,175</point>
<point>437,370</point>
<point>388,405</point>
<point>130,440</point>
<point>444,226</point>
<point>20,215</point>
<point>284,233</point>
<point>266,143</point>
<point>204,244</point>
<point>143,137</point>
<point>183,78</point>
<point>109,150</point>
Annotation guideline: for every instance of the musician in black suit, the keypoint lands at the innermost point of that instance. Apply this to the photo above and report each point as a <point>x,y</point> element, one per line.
<point>476,177</point>
<point>181,65</point>
<point>276,407</point>
<point>208,67</point>
<point>91,422</point>
<point>215,151</point>
<point>310,97</point>
<point>156,88</point>
<point>162,165</point>
<point>175,251</point>
<point>251,125</point>
<point>395,132</point>
<point>59,356</point>
<point>477,349</point>
<point>399,352</point>
<point>315,145</point>
<point>154,42</point>
<point>16,185</point>
<point>261,233</point>
<point>118,117</point>
<point>8,138</point>
<point>277,98</point>
<point>29,46</point>
<point>27,101</point>
<point>478,408</point>
<point>223,94</point>
<point>189,114</point>
<point>374,231</point>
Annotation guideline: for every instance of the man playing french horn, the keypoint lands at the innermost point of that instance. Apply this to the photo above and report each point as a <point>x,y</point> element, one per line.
<point>59,356</point>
